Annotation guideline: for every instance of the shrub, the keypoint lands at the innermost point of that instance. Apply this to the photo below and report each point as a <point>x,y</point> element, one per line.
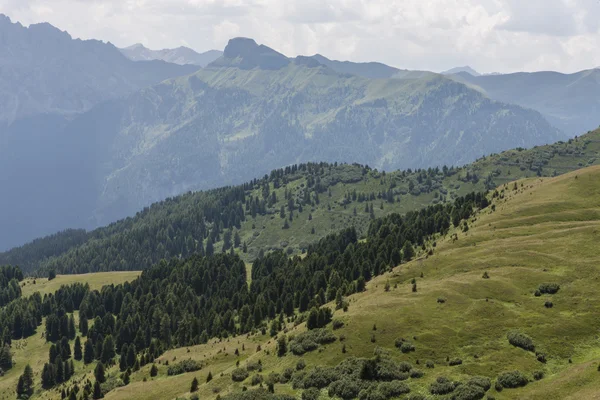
<point>468,392</point>
<point>481,381</point>
<point>310,340</point>
<point>286,376</point>
<point>404,346</point>
<point>239,374</point>
<point>498,386</point>
<point>300,365</point>
<point>393,389</point>
<point>337,324</point>
<point>521,340</point>
<point>513,379</point>
<point>320,378</point>
<point>455,362</point>
<point>416,374</point>
<point>442,385</point>
<point>405,366</point>
<point>346,389</point>
<point>183,367</point>
<point>254,366</point>
<point>429,364</point>
<point>257,379</point>
<point>548,304</point>
<point>538,375</point>
<point>549,288</point>
<point>416,396</point>
<point>541,357</point>
<point>311,394</point>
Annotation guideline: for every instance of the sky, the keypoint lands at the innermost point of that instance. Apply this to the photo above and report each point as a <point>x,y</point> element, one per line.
<point>488,35</point>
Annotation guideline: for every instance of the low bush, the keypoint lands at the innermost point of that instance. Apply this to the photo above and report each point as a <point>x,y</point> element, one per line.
<point>392,389</point>
<point>346,389</point>
<point>183,367</point>
<point>257,379</point>
<point>300,365</point>
<point>538,375</point>
<point>512,379</point>
<point>468,392</point>
<point>455,362</point>
<point>429,364</point>
<point>442,385</point>
<point>311,394</point>
<point>337,324</point>
<point>416,374</point>
<point>481,381</point>
<point>549,288</point>
<point>310,340</point>
<point>521,340</point>
<point>239,375</point>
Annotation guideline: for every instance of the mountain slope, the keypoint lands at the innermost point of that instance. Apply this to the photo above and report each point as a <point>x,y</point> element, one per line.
<point>247,113</point>
<point>325,198</point>
<point>570,102</point>
<point>465,69</point>
<point>181,55</point>
<point>372,70</point>
<point>43,70</point>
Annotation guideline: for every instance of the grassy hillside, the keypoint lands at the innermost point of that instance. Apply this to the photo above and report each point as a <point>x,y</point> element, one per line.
<point>543,232</point>
<point>538,231</point>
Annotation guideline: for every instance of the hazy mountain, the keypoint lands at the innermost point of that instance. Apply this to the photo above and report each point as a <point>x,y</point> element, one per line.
<point>366,70</point>
<point>571,102</point>
<point>458,70</point>
<point>44,70</point>
<point>181,55</point>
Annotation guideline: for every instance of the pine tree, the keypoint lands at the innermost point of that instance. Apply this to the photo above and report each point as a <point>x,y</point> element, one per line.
<point>99,373</point>
<point>407,251</point>
<point>123,357</point>
<point>77,349</point>
<point>153,371</point>
<point>25,384</point>
<point>281,346</point>
<point>194,386</point>
<point>83,325</point>
<point>97,391</point>
<point>209,377</point>
<point>131,358</point>
<point>6,362</point>
<point>88,352</point>
<point>48,376</point>
<point>72,331</point>
<point>108,350</point>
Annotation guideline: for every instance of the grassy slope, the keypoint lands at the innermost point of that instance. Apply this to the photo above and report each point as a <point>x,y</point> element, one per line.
<point>546,231</point>
<point>96,281</point>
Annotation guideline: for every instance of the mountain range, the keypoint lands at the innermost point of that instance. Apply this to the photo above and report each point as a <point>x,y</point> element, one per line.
<point>181,55</point>
<point>128,133</point>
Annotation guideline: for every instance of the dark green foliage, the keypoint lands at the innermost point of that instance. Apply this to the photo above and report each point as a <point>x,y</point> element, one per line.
<point>481,381</point>
<point>51,274</point>
<point>538,375</point>
<point>521,340</point>
<point>318,318</point>
<point>239,374</point>
<point>183,367</point>
<point>345,388</point>
<point>300,365</point>
<point>337,324</point>
<point>442,385</point>
<point>404,346</point>
<point>97,394</point>
<point>9,284</point>
<point>513,379</point>
<point>549,288</point>
<point>154,370</point>
<point>310,340</point>
<point>209,377</point>
<point>257,394</point>
<point>25,383</point>
<point>6,361</point>
<point>257,379</point>
<point>281,346</point>
<point>468,392</point>
<point>548,304</point>
<point>311,394</point>
<point>194,385</point>
<point>454,362</point>
<point>99,373</point>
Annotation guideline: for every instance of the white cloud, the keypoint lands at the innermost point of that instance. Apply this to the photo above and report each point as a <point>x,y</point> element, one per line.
<point>490,35</point>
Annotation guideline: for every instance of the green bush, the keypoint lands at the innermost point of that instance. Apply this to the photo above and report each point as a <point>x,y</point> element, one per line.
<point>429,364</point>
<point>416,374</point>
<point>538,375</point>
<point>404,346</point>
<point>257,379</point>
<point>310,340</point>
<point>346,389</point>
<point>311,394</point>
<point>239,374</point>
<point>468,392</point>
<point>300,365</point>
<point>483,382</point>
<point>512,379</point>
<point>393,389</point>
<point>549,288</point>
<point>521,340</point>
<point>441,386</point>
<point>319,378</point>
<point>337,324</point>
<point>455,362</point>
<point>183,367</point>
<point>416,396</point>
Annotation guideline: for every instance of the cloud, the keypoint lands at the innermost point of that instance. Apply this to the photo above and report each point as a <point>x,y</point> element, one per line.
<point>489,35</point>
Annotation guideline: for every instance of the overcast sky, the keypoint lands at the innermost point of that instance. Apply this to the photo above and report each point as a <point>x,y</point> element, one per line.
<point>489,35</point>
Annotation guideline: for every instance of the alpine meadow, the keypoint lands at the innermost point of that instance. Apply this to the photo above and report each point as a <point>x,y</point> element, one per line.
<point>242,224</point>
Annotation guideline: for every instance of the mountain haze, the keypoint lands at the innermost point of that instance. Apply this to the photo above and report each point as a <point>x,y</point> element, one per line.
<point>181,55</point>
<point>43,70</point>
<point>570,102</point>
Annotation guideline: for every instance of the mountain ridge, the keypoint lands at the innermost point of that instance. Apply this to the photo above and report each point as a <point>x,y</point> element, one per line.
<point>181,55</point>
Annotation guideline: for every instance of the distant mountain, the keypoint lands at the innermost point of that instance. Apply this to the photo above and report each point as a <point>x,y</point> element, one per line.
<point>464,69</point>
<point>371,70</point>
<point>43,70</point>
<point>570,102</point>
<point>181,55</point>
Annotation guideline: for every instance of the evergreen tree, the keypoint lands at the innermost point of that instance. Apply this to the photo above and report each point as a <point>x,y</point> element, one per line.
<point>6,361</point>
<point>123,357</point>
<point>407,251</point>
<point>97,391</point>
<point>88,352</point>
<point>83,325</point>
<point>153,371</point>
<point>194,386</point>
<point>99,373</point>
<point>209,377</point>
<point>131,358</point>
<point>281,346</point>
<point>72,331</point>
<point>108,350</point>
<point>48,376</point>
<point>77,354</point>
<point>25,384</point>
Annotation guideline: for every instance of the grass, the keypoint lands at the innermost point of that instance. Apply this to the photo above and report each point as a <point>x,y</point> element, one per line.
<point>96,281</point>
<point>520,245</point>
